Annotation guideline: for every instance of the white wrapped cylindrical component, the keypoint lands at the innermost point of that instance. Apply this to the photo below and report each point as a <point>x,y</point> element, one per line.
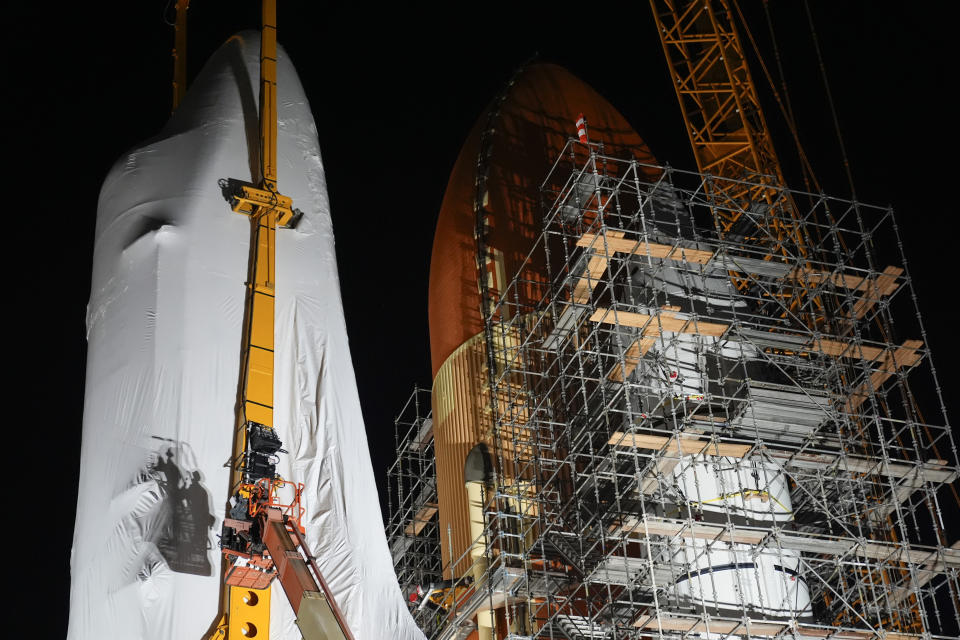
<point>684,281</point>
<point>164,330</point>
<point>750,489</point>
<point>731,578</point>
<point>737,577</point>
<point>677,366</point>
<point>680,375</point>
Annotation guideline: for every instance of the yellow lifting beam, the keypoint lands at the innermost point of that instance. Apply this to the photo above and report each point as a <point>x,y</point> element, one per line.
<point>246,612</point>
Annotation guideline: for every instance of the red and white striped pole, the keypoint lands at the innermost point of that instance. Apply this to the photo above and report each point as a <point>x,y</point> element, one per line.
<point>582,129</point>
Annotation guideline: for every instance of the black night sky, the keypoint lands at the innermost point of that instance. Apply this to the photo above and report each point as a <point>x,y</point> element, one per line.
<point>394,90</point>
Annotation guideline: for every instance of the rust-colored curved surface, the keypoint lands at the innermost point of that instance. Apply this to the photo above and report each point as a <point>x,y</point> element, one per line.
<point>533,125</point>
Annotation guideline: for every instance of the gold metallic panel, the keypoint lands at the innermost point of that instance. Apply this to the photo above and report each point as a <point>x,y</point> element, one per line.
<point>459,423</point>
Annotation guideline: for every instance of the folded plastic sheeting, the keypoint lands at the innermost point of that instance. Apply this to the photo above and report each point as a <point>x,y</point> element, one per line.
<point>164,331</point>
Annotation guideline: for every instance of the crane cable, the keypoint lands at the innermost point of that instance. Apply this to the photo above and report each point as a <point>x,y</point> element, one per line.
<point>785,104</point>
<point>853,192</point>
<point>833,110</point>
<point>786,108</point>
<point>166,12</point>
<point>805,166</point>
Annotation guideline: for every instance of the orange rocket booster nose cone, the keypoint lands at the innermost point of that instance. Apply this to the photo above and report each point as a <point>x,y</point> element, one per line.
<point>517,146</point>
<point>496,185</point>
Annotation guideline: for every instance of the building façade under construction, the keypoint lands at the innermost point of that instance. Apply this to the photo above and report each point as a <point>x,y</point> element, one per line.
<point>673,404</point>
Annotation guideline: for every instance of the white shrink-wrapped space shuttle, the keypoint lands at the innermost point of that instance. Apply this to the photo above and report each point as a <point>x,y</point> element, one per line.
<point>164,330</point>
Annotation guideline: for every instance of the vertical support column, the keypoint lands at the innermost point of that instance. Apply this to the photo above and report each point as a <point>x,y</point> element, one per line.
<point>478,549</point>
<point>180,53</point>
<point>478,480</point>
<point>268,96</point>
<point>486,623</point>
<point>256,386</point>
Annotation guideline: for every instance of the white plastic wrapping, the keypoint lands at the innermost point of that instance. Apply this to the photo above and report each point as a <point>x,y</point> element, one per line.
<point>164,331</point>
<point>730,576</point>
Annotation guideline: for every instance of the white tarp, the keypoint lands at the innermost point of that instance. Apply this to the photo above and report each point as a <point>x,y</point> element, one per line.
<point>164,324</point>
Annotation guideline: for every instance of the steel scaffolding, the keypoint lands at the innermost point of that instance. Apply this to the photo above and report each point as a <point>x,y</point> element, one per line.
<point>412,487</point>
<point>705,430</point>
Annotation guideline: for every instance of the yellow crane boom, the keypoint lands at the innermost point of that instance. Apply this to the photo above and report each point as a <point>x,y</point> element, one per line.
<point>725,123</point>
<point>245,610</point>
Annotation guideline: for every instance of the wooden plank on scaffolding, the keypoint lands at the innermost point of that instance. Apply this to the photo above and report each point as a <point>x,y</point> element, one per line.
<point>843,280</point>
<point>696,530</point>
<point>636,350</point>
<point>665,321</point>
<point>840,349</point>
<point>614,245</point>
<point>595,268</point>
<point>663,467</point>
<point>906,355</point>
<point>631,359</point>
<point>873,288</point>
<point>669,321</point>
<point>885,552</point>
<point>876,288</point>
<point>591,275</point>
<point>684,445</point>
<point>696,625</point>
<point>933,471</point>
<point>422,519</point>
<point>886,281</point>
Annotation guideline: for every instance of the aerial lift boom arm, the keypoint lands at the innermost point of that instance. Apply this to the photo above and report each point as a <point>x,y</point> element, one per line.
<point>317,615</point>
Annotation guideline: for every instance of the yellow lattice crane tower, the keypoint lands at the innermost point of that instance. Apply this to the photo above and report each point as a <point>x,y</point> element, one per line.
<point>725,123</point>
